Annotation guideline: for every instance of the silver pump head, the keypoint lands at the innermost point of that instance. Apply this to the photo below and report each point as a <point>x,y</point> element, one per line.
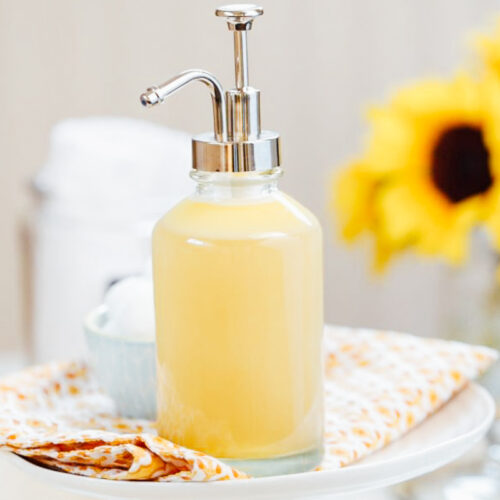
<point>237,143</point>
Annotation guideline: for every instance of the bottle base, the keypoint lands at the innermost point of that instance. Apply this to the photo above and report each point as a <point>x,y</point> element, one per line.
<point>276,466</point>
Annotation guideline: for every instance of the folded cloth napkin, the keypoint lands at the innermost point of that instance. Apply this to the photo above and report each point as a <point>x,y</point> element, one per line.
<point>378,386</point>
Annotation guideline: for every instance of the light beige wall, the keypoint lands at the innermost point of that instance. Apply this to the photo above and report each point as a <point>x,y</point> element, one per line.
<point>317,63</point>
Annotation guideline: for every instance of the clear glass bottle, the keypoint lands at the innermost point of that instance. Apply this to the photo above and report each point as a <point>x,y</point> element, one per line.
<point>238,287</point>
<point>239,293</point>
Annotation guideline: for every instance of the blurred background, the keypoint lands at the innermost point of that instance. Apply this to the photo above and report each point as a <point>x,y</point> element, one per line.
<point>318,65</point>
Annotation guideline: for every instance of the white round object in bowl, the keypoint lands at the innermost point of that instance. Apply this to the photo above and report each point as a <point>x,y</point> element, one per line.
<point>124,367</point>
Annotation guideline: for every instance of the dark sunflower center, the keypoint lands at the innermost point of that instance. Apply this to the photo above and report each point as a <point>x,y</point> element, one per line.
<point>460,164</point>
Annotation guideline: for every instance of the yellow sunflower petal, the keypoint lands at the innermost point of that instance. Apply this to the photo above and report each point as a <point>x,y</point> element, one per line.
<point>353,192</point>
<point>488,47</point>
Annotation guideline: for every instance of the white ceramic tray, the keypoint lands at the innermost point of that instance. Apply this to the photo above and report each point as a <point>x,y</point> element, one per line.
<point>440,439</point>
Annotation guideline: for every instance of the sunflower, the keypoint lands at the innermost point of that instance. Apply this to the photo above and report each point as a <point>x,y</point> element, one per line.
<point>428,174</point>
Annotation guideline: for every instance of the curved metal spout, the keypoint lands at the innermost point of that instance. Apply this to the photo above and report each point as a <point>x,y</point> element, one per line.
<point>156,95</point>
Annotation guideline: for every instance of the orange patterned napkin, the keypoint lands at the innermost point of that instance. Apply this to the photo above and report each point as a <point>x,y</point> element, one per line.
<point>378,386</point>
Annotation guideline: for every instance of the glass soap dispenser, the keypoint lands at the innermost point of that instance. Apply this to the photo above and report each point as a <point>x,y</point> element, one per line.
<point>238,291</point>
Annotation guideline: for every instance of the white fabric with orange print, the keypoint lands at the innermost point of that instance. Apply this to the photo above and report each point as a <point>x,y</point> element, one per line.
<point>378,386</point>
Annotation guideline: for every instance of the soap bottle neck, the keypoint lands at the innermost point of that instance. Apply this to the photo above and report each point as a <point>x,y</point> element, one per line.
<point>220,186</point>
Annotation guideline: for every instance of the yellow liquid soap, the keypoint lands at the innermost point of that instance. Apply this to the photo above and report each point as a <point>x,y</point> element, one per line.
<point>238,295</point>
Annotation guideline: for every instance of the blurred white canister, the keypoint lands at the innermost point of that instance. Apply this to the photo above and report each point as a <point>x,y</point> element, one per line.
<point>106,182</point>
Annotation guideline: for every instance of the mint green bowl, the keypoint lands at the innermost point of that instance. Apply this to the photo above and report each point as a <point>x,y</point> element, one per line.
<point>125,368</point>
